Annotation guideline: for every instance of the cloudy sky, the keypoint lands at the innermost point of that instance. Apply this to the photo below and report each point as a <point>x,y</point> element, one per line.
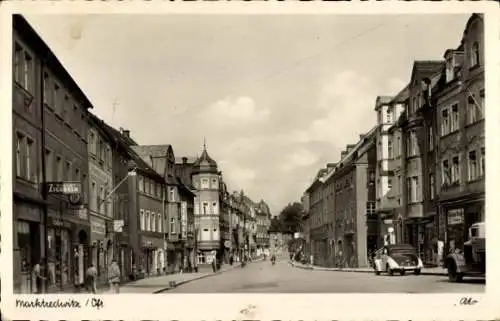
<point>276,97</point>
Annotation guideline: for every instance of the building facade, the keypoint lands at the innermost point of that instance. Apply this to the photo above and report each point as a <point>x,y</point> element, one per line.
<point>100,158</point>
<point>459,101</point>
<point>50,148</point>
<point>205,177</point>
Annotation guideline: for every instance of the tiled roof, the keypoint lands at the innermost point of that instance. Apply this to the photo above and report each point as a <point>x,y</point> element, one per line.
<point>402,96</point>
<point>426,68</point>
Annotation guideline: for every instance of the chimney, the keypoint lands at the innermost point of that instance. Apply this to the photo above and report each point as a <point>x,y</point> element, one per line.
<point>350,147</point>
<point>125,132</point>
<point>331,165</point>
<point>184,160</point>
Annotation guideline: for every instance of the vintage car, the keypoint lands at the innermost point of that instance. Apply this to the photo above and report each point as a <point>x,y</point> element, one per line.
<point>397,258</point>
<point>471,260</point>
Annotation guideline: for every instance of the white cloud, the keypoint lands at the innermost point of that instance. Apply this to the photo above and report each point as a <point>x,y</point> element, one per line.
<point>300,158</point>
<point>241,109</point>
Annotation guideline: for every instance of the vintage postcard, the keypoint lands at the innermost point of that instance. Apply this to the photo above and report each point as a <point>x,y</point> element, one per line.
<point>236,160</point>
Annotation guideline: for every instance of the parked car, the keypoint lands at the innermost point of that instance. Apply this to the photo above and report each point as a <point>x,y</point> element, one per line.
<point>397,258</point>
<point>471,260</point>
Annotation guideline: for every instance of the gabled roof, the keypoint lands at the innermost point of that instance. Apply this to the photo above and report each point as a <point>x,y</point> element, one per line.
<point>426,68</point>
<point>382,100</point>
<point>205,164</point>
<point>402,96</point>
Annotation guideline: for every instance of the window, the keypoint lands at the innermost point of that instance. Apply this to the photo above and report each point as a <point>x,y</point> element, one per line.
<point>432,183</point>
<point>55,96</point>
<point>445,123</point>
<point>172,225</point>
<point>148,221</point>
<point>23,68</point>
<point>205,208</point>
<point>454,118</point>
<point>153,222</point>
<point>143,220</point>
<point>49,165</point>
<point>474,57</point>
<point>389,149</point>
<point>46,89</point>
<point>412,144</point>
<point>455,170</point>
<point>158,190</point>
<point>204,183</point>
<point>159,225</point>
<point>141,184</point>
<point>64,107</point>
<point>77,175</point>
<point>19,157</point>
<point>172,194</point>
<point>67,171</point>
<point>93,195</point>
<point>398,146</point>
<point>482,169</point>
<point>388,115</point>
<point>59,168</point>
<point>389,183</point>
<point>214,208</point>
<point>153,189</point>
<point>431,138</point>
<point>413,189</point>
<point>472,169</point>
<point>147,186</point>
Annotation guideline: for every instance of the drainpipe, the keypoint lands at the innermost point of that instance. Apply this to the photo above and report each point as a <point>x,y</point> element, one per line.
<point>44,176</point>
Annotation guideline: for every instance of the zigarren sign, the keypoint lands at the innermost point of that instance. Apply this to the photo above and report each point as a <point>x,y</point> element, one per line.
<point>65,188</point>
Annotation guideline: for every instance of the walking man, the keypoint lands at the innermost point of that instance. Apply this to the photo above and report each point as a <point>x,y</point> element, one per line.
<point>114,277</point>
<point>92,279</point>
<point>37,276</point>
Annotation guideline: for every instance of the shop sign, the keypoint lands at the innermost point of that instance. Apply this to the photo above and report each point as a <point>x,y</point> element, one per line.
<point>59,222</point>
<point>80,212</point>
<point>65,188</point>
<point>388,222</point>
<point>97,226</point>
<point>118,226</point>
<point>227,243</point>
<point>456,216</point>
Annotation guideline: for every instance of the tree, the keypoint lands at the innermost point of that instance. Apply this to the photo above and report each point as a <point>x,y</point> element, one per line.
<point>291,217</point>
<point>275,226</point>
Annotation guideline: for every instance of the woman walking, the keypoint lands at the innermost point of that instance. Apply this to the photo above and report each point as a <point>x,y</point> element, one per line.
<point>114,276</point>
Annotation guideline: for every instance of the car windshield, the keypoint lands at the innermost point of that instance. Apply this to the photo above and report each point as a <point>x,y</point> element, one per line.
<point>401,249</point>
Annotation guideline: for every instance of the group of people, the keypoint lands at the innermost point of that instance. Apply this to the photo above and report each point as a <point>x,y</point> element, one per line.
<point>114,277</point>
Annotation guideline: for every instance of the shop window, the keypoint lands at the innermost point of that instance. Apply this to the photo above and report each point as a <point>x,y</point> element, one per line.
<point>201,258</point>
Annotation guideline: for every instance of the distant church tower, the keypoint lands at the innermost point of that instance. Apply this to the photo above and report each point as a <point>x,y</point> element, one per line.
<point>205,177</point>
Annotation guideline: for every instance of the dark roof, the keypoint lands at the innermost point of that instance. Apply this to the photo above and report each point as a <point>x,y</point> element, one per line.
<point>205,164</point>
<point>402,96</point>
<point>43,51</point>
<point>382,100</point>
<point>154,150</point>
<point>426,68</point>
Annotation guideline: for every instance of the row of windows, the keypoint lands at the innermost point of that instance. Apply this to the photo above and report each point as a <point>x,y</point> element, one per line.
<point>450,117</point>
<point>153,222</point>
<point>475,167</point>
<point>100,199</point>
<point>204,183</point>
<point>205,208</point>
<point>100,149</point>
<point>150,187</point>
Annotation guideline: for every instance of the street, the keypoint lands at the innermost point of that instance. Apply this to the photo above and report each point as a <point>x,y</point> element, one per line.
<point>262,277</point>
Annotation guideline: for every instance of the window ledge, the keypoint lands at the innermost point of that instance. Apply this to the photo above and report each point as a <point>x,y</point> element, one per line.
<point>477,122</point>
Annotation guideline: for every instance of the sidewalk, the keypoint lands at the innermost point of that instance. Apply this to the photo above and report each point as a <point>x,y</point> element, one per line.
<point>425,271</point>
<point>164,283</point>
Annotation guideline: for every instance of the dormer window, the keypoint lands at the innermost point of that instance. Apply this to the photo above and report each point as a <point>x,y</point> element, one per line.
<point>474,56</point>
<point>450,69</point>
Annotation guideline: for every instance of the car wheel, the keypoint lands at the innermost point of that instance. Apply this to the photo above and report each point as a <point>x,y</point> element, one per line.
<point>402,272</point>
<point>417,271</point>
<point>453,275</point>
<point>389,270</point>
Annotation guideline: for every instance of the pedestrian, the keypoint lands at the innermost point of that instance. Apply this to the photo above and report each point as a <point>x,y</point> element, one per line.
<point>214,265</point>
<point>36,275</point>
<point>114,277</point>
<point>92,279</point>
<point>231,260</point>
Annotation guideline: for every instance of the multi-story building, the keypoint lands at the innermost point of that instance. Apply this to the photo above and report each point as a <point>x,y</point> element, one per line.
<point>205,177</point>
<point>126,237</point>
<point>391,215</point>
<point>162,159</point>
<point>459,100</point>
<point>354,177</point>
<point>321,217</point>
<point>50,165</point>
<point>388,113</point>
<point>100,160</point>
<point>263,223</point>
<point>225,223</point>
<point>418,133</point>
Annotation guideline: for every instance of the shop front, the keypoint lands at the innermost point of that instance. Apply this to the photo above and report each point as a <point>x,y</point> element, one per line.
<point>458,222</point>
<point>99,247</point>
<point>27,244</point>
<point>68,252</point>
<point>149,263</point>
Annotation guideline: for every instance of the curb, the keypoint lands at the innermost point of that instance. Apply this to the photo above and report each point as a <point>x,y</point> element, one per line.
<point>313,268</point>
<point>176,284</point>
